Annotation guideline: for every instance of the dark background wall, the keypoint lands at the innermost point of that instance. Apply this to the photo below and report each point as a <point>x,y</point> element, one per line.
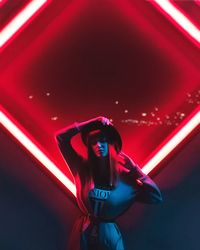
<point>36,214</point>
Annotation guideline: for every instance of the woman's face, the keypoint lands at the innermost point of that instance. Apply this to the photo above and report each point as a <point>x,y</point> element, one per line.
<point>99,147</point>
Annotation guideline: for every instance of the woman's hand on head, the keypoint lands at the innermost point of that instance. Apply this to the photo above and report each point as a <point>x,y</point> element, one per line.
<point>105,121</point>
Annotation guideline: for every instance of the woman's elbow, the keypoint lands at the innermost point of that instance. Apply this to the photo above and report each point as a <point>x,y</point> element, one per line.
<point>156,198</point>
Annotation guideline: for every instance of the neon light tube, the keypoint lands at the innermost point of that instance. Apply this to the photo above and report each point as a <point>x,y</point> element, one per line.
<point>172,142</point>
<point>19,20</point>
<point>167,148</point>
<point>36,152</point>
<point>179,18</point>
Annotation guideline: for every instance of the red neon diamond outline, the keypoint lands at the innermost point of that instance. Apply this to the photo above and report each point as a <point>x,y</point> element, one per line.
<point>20,20</point>
<point>176,16</point>
<point>23,138</point>
<point>172,141</point>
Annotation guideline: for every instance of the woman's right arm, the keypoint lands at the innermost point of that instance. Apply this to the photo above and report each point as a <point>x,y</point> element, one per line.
<point>70,155</point>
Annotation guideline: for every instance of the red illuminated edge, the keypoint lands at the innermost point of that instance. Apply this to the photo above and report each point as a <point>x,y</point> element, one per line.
<point>176,16</point>
<point>21,135</point>
<point>189,125</point>
<point>19,21</point>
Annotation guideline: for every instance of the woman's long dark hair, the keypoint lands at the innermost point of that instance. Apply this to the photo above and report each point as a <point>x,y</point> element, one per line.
<point>103,170</point>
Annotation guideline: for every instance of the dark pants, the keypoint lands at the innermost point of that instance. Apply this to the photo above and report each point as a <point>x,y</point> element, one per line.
<point>102,236</point>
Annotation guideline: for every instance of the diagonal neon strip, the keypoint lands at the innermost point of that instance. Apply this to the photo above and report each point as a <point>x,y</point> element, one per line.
<point>10,125</point>
<point>20,20</point>
<point>179,18</point>
<point>35,151</point>
<point>173,141</point>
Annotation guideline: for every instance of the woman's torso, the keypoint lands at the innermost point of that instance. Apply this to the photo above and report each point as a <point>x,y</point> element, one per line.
<point>106,204</point>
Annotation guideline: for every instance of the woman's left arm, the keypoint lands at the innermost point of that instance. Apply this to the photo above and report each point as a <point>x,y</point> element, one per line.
<point>148,190</point>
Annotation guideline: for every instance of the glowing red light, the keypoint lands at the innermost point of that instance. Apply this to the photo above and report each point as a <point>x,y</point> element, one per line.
<point>34,150</point>
<point>10,125</point>
<point>172,141</point>
<point>20,20</point>
<point>22,137</point>
<point>179,19</point>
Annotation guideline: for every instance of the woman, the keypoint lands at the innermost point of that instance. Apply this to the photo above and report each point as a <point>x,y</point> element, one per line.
<point>108,182</point>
